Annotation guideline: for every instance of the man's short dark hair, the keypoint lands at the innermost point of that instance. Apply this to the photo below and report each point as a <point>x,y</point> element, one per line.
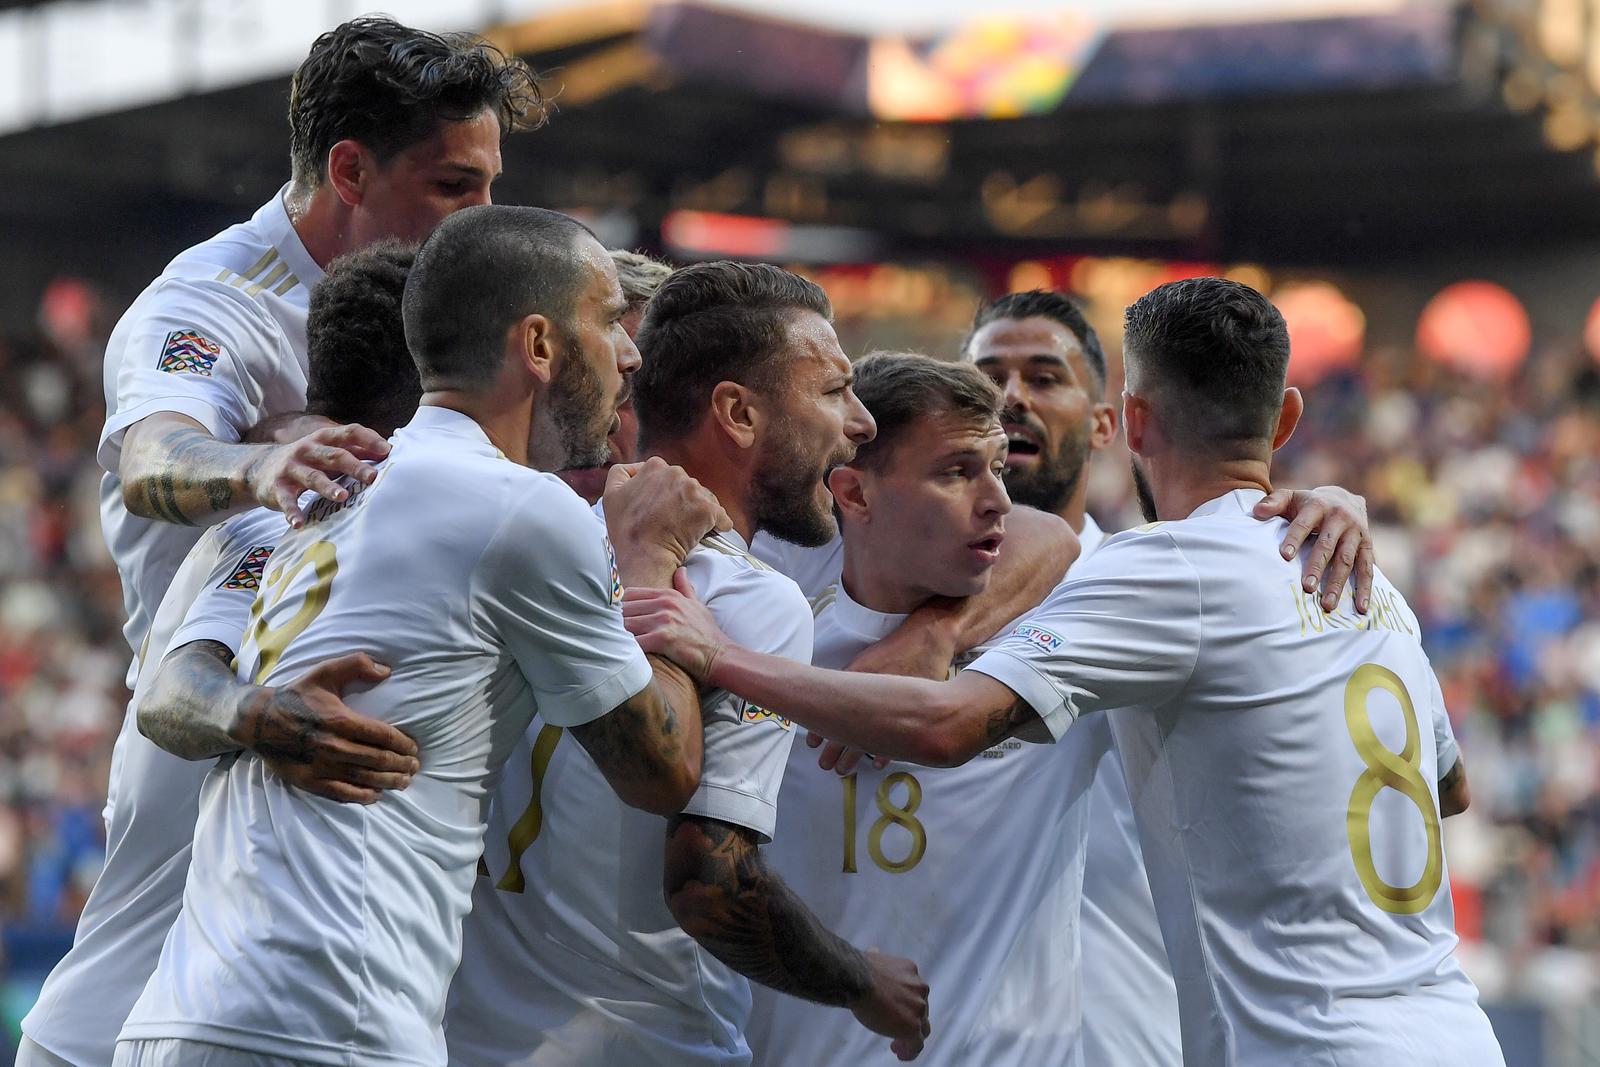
<point>1049,304</point>
<point>482,270</point>
<point>711,323</point>
<point>359,367</point>
<point>898,388</point>
<point>389,86</point>
<point>1212,355</point>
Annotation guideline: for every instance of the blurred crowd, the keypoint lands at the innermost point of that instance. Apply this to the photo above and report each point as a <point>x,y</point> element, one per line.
<point>1485,500</point>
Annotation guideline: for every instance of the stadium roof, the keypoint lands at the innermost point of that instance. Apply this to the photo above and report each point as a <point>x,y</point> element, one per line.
<point>1337,140</point>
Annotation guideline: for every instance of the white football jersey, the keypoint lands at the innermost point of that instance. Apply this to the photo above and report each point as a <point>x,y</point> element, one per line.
<point>570,956</point>
<point>150,810</point>
<point>219,337</point>
<point>1130,1006</point>
<point>327,932</point>
<point>814,570</point>
<point>1285,791</point>
<point>972,872</point>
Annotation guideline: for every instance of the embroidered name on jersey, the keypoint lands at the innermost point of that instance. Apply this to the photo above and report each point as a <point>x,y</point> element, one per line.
<point>188,352</point>
<point>752,713</point>
<point>1037,635</point>
<point>247,575</point>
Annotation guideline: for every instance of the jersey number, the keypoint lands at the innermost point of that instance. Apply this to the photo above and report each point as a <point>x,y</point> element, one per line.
<point>525,831</point>
<point>270,641</point>
<point>1387,769</point>
<point>890,814</point>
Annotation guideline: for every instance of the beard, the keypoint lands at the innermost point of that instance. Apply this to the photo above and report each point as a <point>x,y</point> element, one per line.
<point>784,493</point>
<point>580,411</point>
<point>1052,481</point>
<point>1141,489</point>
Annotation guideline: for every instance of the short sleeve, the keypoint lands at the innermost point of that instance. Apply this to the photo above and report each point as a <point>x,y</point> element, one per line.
<point>1444,737</point>
<point>812,569</point>
<point>547,590</point>
<point>746,746</point>
<point>186,351</point>
<point>1123,632</point>
<point>222,609</point>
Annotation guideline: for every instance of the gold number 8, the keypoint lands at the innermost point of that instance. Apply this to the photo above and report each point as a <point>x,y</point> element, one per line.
<point>1387,769</point>
<point>272,640</point>
<point>890,814</point>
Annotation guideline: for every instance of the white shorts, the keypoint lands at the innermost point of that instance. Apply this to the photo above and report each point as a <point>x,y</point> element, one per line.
<point>32,1054</point>
<point>177,1052</point>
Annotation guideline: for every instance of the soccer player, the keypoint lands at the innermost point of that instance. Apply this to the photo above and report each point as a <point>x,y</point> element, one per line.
<point>640,276</point>
<point>390,130</point>
<point>915,861</point>
<point>1285,789</point>
<point>595,938</point>
<point>1038,347</point>
<point>314,931</point>
<point>359,371</point>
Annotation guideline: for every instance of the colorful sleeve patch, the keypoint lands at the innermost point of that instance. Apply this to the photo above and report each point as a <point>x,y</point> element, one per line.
<point>1038,635</point>
<point>247,575</point>
<point>188,352</point>
<point>752,713</point>
<point>616,575</point>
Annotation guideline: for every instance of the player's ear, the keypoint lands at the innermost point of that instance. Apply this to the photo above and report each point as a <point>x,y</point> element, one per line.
<point>534,347</point>
<point>849,492</point>
<point>1135,420</point>
<point>347,172</point>
<point>1103,425</point>
<point>1294,405</point>
<point>734,409</point>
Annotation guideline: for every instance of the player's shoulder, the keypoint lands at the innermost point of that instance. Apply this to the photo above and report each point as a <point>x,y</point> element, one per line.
<point>721,563</point>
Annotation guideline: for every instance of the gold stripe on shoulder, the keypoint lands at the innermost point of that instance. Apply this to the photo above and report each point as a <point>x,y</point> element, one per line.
<point>1147,527</point>
<point>820,602</point>
<point>717,543</point>
<point>288,283</point>
<point>269,281</point>
<point>249,273</point>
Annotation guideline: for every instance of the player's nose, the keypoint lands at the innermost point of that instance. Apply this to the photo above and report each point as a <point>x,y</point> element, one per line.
<point>859,425</point>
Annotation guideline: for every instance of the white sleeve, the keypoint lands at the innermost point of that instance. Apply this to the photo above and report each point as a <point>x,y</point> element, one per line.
<point>547,590</point>
<point>187,352</point>
<point>747,747</point>
<point>1444,737</point>
<point>222,609</point>
<point>1122,632</point>
<point>813,569</point>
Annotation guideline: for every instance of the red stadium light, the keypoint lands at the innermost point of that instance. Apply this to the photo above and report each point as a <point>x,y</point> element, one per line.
<point>1477,327</point>
<point>1326,329</point>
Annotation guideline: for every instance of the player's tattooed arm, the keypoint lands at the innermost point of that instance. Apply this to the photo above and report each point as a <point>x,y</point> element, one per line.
<point>649,746</point>
<point>173,470</point>
<point>196,708</point>
<point>1037,552</point>
<point>721,891</point>
<point>1454,794</point>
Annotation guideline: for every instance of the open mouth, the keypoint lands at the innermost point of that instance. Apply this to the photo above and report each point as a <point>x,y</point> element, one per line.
<point>1021,441</point>
<point>988,546</point>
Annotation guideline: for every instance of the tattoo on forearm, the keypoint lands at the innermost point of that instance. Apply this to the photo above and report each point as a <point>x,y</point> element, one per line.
<point>1003,722</point>
<point>191,477</point>
<point>186,708</point>
<point>636,739</point>
<point>724,895</point>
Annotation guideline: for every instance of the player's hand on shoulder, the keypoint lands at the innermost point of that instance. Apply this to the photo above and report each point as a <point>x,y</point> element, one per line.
<point>306,734</point>
<point>656,513</point>
<point>283,472</point>
<point>1344,539</point>
<point>675,624</point>
<point>896,1004</point>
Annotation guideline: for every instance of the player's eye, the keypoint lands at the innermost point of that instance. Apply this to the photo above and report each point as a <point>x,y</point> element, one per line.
<point>453,188</point>
<point>1044,380</point>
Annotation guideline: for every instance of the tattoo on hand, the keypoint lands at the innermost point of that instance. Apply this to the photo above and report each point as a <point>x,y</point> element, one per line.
<point>285,730</point>
<point>724,895</point>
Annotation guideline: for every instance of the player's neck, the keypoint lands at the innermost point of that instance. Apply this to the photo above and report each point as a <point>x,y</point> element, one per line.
<point>1182,484</point>
<point>874,588</point>
<point>1077,505</point>
<point>506,425</point>
<point>728,483</point>
<point>322,222</point>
